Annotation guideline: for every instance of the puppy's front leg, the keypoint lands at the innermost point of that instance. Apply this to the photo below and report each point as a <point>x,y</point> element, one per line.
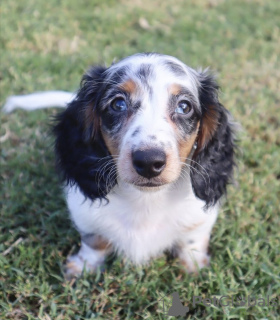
<point>193,248</point>
<point>91,255</point>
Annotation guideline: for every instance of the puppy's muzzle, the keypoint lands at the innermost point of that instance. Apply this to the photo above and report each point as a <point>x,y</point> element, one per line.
<point>149,163</point>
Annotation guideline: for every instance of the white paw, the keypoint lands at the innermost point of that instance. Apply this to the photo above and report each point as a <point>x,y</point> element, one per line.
<point>75,265</point>
<point>87,259</point>
<point>193,261</point>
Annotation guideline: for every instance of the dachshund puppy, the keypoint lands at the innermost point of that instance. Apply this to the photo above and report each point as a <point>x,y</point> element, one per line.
<point>146,151</point>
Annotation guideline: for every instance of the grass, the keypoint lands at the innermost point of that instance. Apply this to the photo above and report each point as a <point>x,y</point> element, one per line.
<point>48,45</point>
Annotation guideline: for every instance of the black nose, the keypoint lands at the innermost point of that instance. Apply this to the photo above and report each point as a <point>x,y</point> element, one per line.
<point>149,163</point>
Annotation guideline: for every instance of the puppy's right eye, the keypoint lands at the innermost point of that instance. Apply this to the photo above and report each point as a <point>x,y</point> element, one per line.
<point>119,105</point>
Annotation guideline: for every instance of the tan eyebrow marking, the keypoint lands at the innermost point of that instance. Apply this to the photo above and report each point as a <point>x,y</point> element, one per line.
<point>129,86</point>
<point>175,89</point>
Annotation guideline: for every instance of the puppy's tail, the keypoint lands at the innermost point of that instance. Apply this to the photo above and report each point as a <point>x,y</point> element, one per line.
<point>39,100</point>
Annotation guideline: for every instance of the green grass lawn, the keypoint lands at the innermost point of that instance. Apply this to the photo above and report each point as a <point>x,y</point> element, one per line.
<point>48,45</point>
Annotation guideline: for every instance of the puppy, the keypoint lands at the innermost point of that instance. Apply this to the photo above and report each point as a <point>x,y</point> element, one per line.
<point>146,151</point>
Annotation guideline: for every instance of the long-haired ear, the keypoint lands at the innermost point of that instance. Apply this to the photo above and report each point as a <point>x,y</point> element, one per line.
<point>213,160</point>
<point>81,153</point>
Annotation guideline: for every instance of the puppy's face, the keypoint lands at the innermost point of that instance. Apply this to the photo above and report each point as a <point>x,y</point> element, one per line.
<point>138,122</point>
<point>149,118</point>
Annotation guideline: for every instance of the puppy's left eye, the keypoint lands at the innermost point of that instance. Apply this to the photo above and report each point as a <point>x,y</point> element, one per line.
<point>119,105</point>
<point>184,107</point>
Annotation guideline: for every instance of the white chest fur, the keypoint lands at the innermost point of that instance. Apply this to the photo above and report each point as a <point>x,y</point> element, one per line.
<point>142,224</point>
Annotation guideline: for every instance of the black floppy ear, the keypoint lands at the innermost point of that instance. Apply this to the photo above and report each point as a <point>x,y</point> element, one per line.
<point>214,157</point>
<point>80,149</point>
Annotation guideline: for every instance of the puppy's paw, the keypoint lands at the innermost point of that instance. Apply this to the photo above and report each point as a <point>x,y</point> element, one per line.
<point>75,265</point>
<point>194,261</point>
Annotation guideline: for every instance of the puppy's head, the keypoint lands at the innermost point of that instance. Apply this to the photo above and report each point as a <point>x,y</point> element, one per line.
<point>145,120</point>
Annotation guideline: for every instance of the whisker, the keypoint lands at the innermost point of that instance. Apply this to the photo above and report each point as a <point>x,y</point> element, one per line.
<point>102,171</point>
<point>191,160</point>
<point>113,157</point>
<point>197,171</point>
<point>112,175</point>
<point>103,168</point>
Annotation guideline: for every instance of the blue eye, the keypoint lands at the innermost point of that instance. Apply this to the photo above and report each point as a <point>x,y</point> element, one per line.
<point>184,107</point>
<point>119,105</point>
